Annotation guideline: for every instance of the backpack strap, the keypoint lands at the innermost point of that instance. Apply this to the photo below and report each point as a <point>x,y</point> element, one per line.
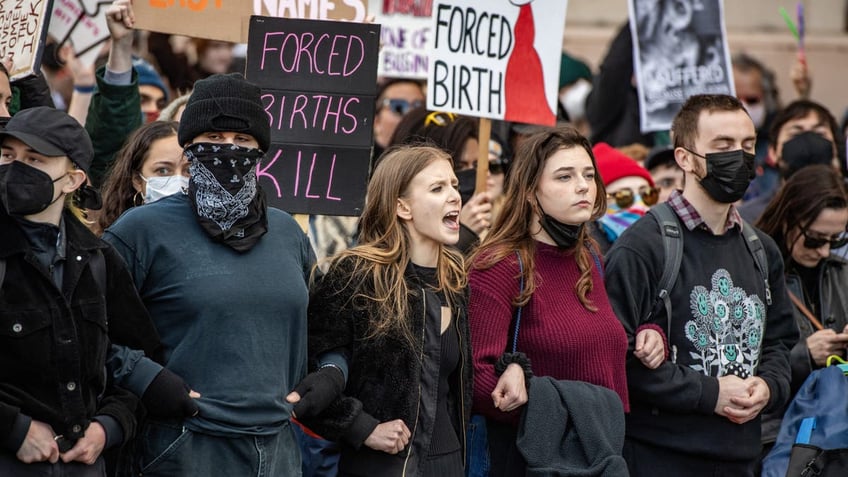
<point>673,251</point>
<point>2,272</point>
<point>755,248</point>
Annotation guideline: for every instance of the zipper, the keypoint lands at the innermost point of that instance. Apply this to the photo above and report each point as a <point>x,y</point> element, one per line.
<point>418,405</point>
<point>461,390</point>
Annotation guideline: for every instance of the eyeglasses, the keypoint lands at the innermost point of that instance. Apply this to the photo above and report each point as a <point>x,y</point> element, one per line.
<point>440,118</point>
<point>400,106</point>
<point>624,198</point>
<point>497,166</point>
<point>814,243</point>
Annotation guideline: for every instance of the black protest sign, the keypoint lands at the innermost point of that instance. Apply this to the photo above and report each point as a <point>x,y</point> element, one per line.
<point>319,81</point>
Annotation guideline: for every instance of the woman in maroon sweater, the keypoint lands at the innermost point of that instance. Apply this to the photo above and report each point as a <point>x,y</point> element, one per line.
<point>567,328</point>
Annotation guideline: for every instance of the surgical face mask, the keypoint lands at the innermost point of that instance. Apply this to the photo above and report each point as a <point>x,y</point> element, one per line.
<point>25,190</point>
<point>806,149</point>
<point>158,187</point>
<point>757,111</point>
<point>728,174</point>
<point>574,100</point>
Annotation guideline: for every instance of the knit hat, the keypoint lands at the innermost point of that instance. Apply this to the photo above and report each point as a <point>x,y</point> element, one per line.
<point>147,75</point>
<point>571,70</point>
<point>613,165</point>
<point>225,103</point>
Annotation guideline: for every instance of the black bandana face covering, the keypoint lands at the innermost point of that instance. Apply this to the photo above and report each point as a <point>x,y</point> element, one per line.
<point>224,194</point>
<point>728,174</point>
<point>564,235</point>
<point>25,190</point>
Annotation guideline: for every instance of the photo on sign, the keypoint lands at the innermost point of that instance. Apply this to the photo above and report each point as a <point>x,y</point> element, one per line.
<point>498,59</point>
<point>23,31</point>
<point>679,49</point>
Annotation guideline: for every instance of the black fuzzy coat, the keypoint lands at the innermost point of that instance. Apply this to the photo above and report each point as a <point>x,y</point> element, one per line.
<point>385,377</point>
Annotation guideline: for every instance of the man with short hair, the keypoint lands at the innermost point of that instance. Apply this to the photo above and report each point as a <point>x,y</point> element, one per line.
<point>698,413</point>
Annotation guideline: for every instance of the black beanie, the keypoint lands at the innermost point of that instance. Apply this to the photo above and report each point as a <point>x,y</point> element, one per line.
<point>225,103</point>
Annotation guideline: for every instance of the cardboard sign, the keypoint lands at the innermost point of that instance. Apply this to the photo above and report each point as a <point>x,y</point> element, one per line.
<point>319,82</point>
<point>405,39</point>
<point>83,24</point>
<point>23,29</point>
<point>678,50</point>
<point>497,59</point>
<point>227,20</point>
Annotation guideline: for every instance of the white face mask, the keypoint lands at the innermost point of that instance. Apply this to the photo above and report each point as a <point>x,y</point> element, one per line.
<point>163,186</point>
<point>757,111</point>
<point>574,99</point>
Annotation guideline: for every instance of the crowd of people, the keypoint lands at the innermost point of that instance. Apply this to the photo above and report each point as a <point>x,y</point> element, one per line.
<point>611,303</point>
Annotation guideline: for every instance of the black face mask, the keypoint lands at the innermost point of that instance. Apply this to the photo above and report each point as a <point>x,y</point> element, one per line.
<point>467,183</point>
<point>728,174</point>
<point>224,193</point>
<point>25,190</point>
<point>564,235</point>
<point>805,149</point>
<point>4,120</point>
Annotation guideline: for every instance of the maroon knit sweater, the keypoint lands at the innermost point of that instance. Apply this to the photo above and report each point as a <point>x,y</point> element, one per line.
<point>561,337</point>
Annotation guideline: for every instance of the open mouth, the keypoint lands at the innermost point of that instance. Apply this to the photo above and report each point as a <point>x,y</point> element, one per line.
<point>451,220</point>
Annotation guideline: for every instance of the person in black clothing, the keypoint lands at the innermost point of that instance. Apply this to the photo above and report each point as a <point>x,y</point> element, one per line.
<point>393,308</point>
<point>698,413</point>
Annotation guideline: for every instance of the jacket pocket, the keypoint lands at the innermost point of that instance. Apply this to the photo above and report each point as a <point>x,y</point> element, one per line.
<point>93,333</point>
<point>25,339</point>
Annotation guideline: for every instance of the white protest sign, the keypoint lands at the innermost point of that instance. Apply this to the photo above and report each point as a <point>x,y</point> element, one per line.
<point>404,37</point>
<point>83,23</point>
<point>23,29</point>
<point>497,59</point>
<point>679,49</point>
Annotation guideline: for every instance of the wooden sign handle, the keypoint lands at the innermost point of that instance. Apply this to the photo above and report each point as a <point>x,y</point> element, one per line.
<point>483,136</point>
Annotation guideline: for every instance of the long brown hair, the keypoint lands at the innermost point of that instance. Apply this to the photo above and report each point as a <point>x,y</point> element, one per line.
<point>799,203</point>
<point>382,255</point>
<point>118,191</point>
<point>511,230</point>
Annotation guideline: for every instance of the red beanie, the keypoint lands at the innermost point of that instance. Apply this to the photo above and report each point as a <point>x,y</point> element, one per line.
<point>614,165</point>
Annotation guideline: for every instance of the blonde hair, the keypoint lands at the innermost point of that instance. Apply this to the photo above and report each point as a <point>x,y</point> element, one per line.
<point>382,255</point>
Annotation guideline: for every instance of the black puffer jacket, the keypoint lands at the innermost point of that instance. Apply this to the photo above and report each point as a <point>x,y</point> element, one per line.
<point>386,374</point>
<point>54,343</point>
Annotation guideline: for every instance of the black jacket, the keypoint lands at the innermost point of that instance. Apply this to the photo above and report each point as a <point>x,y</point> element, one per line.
<point>386,377</point>
<point>54,343</point>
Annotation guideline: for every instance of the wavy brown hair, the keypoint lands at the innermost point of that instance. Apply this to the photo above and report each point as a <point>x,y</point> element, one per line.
<point>118,191</point>
<point>511,230</point>
<point>382,255</point>
<point>800,201</point>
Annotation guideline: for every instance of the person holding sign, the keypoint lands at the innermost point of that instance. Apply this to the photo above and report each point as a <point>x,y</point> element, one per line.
<point>227,289</point>
<point>539,263</point>
<point>394,305</point>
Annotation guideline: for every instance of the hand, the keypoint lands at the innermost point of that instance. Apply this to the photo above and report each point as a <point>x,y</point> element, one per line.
<point>316,391</point>
<point>751,405</point>
<point>650,348</point>
<point>729,387</point>
<point>476,214</point>
<point>120,19</point>
<point>801,79</point>
<point>390,437</point>
<point>82,74</point>
<point>169,396</point>
<point>510,393</point>
<point>826,342</point>
<point>39,444</point>
<point>87,449</point>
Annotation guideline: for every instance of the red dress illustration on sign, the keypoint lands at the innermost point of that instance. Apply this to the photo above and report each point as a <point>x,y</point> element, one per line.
<point>525,82</point>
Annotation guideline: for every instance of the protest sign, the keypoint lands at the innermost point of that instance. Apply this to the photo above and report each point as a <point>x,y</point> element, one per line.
<point>497,59</point>
<point>82,23</point>
<point>678,50</point>
<point>404,37</point>
<point>23,29</point>
<point>319,81</point>
<point>227,20</point>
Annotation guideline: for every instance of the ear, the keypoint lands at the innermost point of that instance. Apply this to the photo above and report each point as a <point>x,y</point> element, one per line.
<point>403,211</point>
<point>684,159</point>
<point>76,178</point>
<point>137,183</point>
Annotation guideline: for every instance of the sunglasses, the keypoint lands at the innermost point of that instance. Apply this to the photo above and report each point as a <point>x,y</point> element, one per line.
<point>400,106</point>
<point>497,166</point>
<point>624,198</point>
<point>814,243</point>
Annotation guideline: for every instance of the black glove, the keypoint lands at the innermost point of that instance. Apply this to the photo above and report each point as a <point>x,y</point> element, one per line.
<point>167,396</point>
<point>317,390</point>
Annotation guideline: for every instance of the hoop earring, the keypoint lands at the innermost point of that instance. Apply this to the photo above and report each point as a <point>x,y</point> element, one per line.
<point>137,199</point>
